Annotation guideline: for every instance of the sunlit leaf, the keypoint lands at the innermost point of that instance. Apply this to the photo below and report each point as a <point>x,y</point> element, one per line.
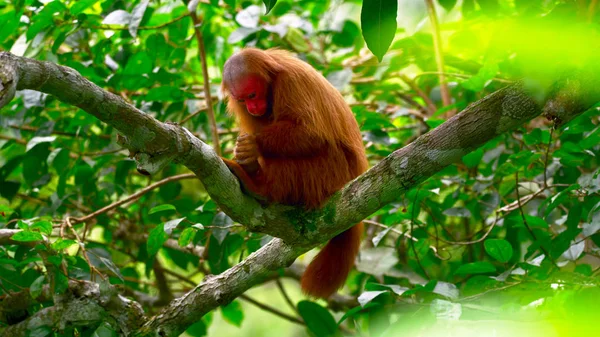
<point>269,4</point>
<point>27,236</point>
<point>44,227</point>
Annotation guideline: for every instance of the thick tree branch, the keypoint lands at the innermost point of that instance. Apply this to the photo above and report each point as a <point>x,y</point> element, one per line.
<point>84,304</point>
<point>157,143</point>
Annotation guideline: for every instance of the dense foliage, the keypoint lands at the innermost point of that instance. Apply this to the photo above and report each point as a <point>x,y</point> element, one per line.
<point>510,232</point>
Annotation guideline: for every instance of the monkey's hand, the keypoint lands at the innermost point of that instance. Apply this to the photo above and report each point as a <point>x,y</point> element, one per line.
<point>246,153</point>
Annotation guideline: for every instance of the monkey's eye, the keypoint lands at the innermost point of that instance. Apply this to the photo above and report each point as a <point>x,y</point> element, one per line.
<point>252,95</point>
<point>240,100</point>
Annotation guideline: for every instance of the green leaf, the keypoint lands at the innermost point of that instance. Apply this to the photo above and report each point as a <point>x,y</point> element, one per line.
<point>296,38</point>
<point>81,5</point>
<point>112,267</point>
<point>197,329</point>
<point>27,236</point>
<point>156,239</point>
<point>61,244</point>
<point>378,23</point>
<point>40,23</point>
<point>165,94</point>
<point>157,47</point>
<point>61,282</point>
<point>532,221</point>
<point>35,289</point>
<point>84,173</point>
<point>476,268</point>
<point>269,4</point>
<point>186,237</point>
<point>368,296</point>
<point>318,319</point>
<point>447,4</point>
<point>23,225</point>
<point>5,211</point>
<point>138,64</point>
<point>377,261</point>
<point>171,225</point>
<point>358,309</point>
<point>118,17</point>
<point>43,226</point>
<point>38,140</point>
<point>474,158</point>
<point>163,207</point>
<point>136,16</point>
<point>105,330</point>
<point>500,250</point>
<point>9,23</point>
<point>222,221</point>
<point>177,58</point>
<point>59,159</point>
<point>233,313</point>
<point>560,197</point>
<point>35,169</point>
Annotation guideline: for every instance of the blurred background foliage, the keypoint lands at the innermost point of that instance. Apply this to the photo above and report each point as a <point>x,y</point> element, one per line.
<point>510,233</point>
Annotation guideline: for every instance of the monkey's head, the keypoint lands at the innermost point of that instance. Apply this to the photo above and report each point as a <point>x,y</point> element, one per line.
<point>247,78</point>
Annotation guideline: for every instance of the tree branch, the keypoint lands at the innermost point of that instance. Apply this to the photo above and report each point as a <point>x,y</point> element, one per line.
<point>84,304</point>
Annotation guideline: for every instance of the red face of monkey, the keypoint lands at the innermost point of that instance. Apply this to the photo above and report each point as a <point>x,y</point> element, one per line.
<point>251,91</point>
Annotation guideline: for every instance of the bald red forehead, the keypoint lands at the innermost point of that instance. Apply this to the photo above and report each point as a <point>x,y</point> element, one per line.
<point>243,86</point>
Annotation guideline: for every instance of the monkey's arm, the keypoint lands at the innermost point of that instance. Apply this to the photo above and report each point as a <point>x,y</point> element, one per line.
<point>288,139</point>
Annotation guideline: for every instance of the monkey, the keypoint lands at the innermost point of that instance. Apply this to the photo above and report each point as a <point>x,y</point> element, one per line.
<point>298,144</point>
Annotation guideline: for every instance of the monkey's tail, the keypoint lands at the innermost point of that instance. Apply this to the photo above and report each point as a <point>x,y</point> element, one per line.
<point>330,268</point>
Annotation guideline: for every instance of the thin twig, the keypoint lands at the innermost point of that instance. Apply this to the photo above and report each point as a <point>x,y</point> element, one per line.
<point>474,241</point>
<point>468,298</point>
<point>525,219</point>
<point>285,295</point>
<point>412,242</point>
<point>437,73</point>
<point>113,27</point>
<point>431,108</point>
<point>592,10</point>
<point>206,80</point>
<point>439,57</point>
<point>392,229</point>
<point>546,159</point>
<point>80,245</point>
<point>272,310</point>
<point>133,196</point>
<point>192,115</point>
<point>54,132</point>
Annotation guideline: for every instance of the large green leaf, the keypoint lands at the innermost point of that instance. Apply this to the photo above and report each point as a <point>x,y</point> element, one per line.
<point>500,250</point>
<point>378,24</point>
